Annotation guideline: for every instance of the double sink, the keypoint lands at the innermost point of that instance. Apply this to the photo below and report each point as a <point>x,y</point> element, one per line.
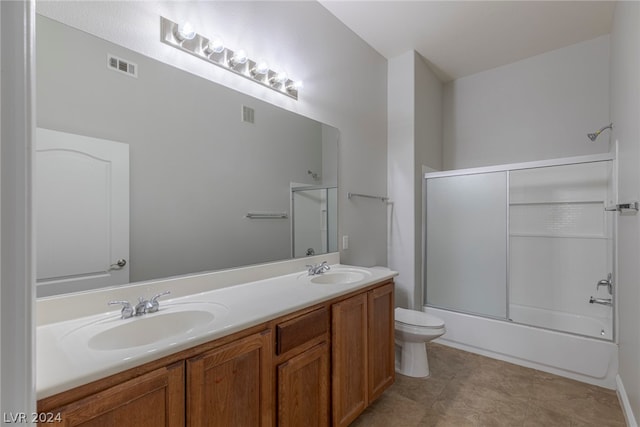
<point>177,322</point>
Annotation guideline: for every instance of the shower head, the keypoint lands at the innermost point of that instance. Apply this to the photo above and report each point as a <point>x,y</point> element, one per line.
<point>594,135</point>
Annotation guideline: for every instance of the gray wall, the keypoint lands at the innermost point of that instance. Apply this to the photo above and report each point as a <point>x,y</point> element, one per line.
<point>402,234</point>
<point>538,108</point>
<point>428,148</point>
<point>196,169</point>
<point>415,139</point>
<point>345,81</point>
<point>625,114</point>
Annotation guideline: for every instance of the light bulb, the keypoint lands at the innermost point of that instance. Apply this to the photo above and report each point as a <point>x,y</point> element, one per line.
<point>185,31</point>
<point>239,57</point>
<point>261,68</point>
<point>215,46</point>
<point>297,85</point>
<point>279,79</point>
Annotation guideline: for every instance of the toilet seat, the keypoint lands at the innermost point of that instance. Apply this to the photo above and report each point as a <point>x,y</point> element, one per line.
<point>417,318</point>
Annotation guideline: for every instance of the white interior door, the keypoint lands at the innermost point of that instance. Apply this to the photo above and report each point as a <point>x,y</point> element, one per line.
<point>82,212</point>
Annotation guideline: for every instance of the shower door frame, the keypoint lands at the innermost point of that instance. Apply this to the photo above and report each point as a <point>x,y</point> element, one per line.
<point>566,161</point>
<point>299,188</point>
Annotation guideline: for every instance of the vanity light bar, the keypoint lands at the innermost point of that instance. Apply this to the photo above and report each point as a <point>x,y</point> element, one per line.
<point>213,51</point>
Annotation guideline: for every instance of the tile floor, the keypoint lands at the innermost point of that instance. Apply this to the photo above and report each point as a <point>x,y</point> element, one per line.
<point>467,389</point>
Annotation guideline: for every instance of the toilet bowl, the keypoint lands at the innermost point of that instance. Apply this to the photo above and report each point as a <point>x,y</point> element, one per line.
<point>413,329</point>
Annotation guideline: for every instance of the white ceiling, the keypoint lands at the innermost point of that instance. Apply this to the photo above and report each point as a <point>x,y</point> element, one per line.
<point>460,38</point>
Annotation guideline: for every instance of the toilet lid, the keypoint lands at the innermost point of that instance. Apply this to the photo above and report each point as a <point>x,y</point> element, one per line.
<point>417,318</point>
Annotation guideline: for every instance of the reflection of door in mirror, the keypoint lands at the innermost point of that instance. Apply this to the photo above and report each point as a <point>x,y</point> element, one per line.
<point>314,220</point>
<point>82,225</point>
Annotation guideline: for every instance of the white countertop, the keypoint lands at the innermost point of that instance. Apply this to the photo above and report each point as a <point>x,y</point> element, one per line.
<point>64,359</point>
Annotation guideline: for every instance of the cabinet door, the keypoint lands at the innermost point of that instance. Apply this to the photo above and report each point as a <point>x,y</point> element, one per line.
<point>349,375</point>
<point>381,340</point>
<point>153,399</point>
<point>303,389</point>
<point>232,385</point>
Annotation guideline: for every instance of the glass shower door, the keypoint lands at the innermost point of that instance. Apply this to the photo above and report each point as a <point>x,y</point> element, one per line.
<point>314,220</point>
<point>532,245</point>
<point>560,246</point>
<point>466,243</point>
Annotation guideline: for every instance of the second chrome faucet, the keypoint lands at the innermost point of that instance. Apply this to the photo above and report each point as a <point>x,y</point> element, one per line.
<point>144,306</point>
<point>318,268</point>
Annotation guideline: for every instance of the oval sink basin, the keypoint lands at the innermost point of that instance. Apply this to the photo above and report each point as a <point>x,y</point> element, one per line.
<point>150,329</point>
<point>339,277</point>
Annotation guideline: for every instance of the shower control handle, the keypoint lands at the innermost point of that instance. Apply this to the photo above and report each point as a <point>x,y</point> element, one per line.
<point>606,282</point>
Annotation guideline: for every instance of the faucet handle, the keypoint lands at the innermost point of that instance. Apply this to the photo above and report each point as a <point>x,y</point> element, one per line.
<point>141,307</point>
<point>606,282</point>
<point>127,310</point>
<point>318,268</point>
<point>153,305</point>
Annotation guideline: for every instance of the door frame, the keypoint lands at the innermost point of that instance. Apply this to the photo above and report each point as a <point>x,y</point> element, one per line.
<point>17,270</point>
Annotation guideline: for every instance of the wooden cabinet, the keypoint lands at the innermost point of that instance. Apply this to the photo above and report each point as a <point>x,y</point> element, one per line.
<point>320,366</point>
<point>381,358</point>
<point>349,376</point>
<point>363,352</point>
<point>231,385</point>
<point>302,329</point>
<point>153,399</point>
<point>303,389</point>
<point>302,371</point>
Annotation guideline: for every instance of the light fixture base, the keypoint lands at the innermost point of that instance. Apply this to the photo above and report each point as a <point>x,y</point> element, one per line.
<point>197,46</point>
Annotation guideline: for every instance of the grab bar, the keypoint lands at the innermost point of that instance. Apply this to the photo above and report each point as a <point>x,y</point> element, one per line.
<point>258,215</point>
<point>383,198</point>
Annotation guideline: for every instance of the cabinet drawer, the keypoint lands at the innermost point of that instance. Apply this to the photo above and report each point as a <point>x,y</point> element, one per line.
<point>299,330</point>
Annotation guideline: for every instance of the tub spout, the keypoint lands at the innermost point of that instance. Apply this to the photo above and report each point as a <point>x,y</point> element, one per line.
<point>603,301</point>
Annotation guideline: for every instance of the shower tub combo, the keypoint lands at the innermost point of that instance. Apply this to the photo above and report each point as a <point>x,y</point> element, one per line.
<point>519,263</point>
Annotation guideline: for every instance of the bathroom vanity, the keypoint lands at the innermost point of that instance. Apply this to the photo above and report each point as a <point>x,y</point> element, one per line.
<point>321,360</point>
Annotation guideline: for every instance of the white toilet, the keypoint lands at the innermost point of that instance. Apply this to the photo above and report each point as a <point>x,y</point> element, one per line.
<point>413,329</point>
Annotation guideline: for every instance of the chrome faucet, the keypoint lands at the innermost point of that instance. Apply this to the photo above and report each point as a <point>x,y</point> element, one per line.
<point>127,311</point>
<point>142,307</point>
<point>603,301</point>
<point>318,268</point>
<point>153,305</point>
<point>606,282</point>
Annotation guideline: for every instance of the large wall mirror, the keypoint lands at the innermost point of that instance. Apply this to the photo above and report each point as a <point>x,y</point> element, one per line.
<point>192,176</point>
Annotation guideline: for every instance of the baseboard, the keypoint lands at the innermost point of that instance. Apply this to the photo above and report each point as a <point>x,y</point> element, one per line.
<point>624,402</point>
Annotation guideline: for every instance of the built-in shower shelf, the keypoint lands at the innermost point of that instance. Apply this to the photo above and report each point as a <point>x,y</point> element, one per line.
<point>559,220</point>
<point>561,236</point>
<point>555,202</point>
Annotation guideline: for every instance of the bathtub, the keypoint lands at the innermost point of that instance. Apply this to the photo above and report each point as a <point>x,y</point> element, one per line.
<point>590,360</point>
<point>595,327</point>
